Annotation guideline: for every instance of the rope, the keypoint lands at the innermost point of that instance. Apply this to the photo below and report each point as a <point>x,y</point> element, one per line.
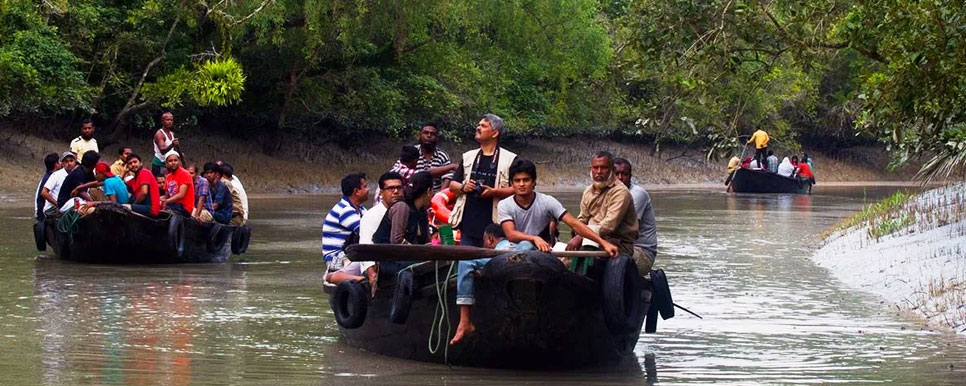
<point>67,223</point>
<point>436,329</point>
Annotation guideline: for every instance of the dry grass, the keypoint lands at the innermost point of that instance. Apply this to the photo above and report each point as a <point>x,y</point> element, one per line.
<point>307,167</point>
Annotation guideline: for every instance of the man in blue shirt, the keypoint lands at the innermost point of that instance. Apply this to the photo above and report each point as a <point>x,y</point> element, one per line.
<point>343,220</point>
<point>217,204</point>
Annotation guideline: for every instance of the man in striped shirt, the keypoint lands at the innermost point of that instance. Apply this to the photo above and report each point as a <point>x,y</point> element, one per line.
<point>431,158</point>
<point>343,220</point>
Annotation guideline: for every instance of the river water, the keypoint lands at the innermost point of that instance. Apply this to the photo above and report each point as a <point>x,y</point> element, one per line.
<point>740,261</point>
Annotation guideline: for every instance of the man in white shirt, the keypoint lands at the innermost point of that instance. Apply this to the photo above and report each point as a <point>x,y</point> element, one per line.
<point>51,188</point>
<point>391,190</point>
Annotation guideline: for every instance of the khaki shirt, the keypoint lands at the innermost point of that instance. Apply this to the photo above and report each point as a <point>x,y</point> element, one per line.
<point>612,210</point>
<point>80,146</point>
<point>118,169</point>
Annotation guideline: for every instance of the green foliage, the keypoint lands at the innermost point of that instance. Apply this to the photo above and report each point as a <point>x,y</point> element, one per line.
<point>38,72</point>
<point>665,71</point>
<point>882,218</point>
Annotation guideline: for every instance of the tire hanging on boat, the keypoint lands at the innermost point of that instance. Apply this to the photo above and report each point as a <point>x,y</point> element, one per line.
<point>661,295</point>
<point>217,236</point>
<point>40,235</point>
<point>622,305</point>
<point>350,304</point>
<point>176,234</point>
<point>239,239</point>
<point>402,297</point>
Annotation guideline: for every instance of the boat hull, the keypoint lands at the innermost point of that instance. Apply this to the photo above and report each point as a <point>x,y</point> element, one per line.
<point>530,312</point>
<point>758,181</point>
<point>114,235</point>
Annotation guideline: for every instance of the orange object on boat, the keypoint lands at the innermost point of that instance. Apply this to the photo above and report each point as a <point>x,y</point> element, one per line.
<point>442,204</point>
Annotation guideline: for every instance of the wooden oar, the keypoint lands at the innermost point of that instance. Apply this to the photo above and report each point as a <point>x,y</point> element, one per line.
<point>389,252</point>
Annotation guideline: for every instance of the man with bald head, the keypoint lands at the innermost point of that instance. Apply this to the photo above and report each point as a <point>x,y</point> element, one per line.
<point>164,142</point>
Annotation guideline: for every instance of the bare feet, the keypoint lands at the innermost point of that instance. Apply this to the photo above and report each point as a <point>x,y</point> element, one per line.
<point>464,329</point>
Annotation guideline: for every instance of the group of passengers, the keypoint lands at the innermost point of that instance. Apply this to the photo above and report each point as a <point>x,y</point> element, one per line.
<point>496,207</point>
<point>766,160</point>
<point>211,194</point>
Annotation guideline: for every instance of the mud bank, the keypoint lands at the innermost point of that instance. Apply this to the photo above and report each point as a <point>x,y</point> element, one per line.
<point>310,167</point>
<point>913,255</point>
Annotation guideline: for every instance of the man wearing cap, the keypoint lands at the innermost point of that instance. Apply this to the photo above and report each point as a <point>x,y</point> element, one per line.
<point>77,177</point>
<point>179,186</point>
<point>51,189</point>
<point>481,181</point>
<point>114,188</point>
<point>85,142</point>
<point>147,199</point>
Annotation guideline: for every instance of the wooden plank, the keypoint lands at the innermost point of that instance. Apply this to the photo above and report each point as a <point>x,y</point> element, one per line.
<point>390,252</point>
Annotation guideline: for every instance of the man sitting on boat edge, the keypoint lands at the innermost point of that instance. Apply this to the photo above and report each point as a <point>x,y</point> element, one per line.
<point>523,217</point>
<point>343,220</point>
<point>391,190</point>
<point>144,187</point>
<point>405,222</point>
<point>606,207</point>
<point>493,238</point>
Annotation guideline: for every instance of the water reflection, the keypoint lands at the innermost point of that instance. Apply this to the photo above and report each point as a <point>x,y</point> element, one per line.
<point>741,261</point>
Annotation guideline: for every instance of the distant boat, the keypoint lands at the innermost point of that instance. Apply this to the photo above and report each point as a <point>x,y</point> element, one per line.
<point>115,235</point>
<point>530,312</point>
<point>761,181</point>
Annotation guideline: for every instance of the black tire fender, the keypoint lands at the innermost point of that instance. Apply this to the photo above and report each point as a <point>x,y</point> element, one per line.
<point>350,303</point>
<point>40,235</point>
<point>240,239</point>
<point>176,234</point>
<point>622,305</point>
<point>661,295</point>
<point>217,236</point>
<point>402,297</point>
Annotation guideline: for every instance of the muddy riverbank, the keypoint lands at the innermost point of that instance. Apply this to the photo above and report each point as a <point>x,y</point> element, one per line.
<point>316,168</point>
<point>910,250</point>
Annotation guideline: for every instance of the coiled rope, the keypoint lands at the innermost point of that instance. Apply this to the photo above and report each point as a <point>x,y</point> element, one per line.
<point>67,223</point>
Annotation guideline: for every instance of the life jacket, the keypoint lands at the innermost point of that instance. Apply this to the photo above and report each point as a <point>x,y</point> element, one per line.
<point>417,228</point>
<point>504,160</point>
<point>442,205</point>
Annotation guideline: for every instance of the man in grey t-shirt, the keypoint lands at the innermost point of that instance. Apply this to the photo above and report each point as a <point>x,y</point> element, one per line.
<point>647,226</point>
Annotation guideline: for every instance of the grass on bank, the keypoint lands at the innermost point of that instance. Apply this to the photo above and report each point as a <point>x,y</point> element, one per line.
<point>882,218</point>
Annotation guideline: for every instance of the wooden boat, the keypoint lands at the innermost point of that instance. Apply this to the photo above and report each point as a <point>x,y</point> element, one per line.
<point>530,312</point>
<point>761,181</point>
<point>115,235</point>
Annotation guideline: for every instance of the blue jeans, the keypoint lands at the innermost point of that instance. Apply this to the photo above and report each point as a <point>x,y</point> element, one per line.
<point>464,274</point>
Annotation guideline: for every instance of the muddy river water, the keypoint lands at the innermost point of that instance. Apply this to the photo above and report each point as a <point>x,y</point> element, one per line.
<point>741,261</point>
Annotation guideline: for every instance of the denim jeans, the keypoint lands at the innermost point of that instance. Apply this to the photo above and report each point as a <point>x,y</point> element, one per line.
<point>464,275</point>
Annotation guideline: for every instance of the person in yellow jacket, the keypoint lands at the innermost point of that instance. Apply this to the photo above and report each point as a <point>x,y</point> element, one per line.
<point>760,139</point>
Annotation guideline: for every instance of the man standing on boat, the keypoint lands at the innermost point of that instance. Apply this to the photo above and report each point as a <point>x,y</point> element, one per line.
<point>85,142</point>
<point>432,159</point>
<point>760,139</point>
<point>164,142</point>
<point>645,247</point>
<point>343,220</point>
<point>481,181</point>
<point>606,207</point>
<point>524,218</point>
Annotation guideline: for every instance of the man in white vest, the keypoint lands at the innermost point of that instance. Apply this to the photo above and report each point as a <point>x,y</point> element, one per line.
<point>481,181</point>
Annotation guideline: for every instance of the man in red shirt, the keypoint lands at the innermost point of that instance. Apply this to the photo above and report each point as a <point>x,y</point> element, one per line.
<point>179,185</point>
<point>804,172</point>
<point>147,199</point>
